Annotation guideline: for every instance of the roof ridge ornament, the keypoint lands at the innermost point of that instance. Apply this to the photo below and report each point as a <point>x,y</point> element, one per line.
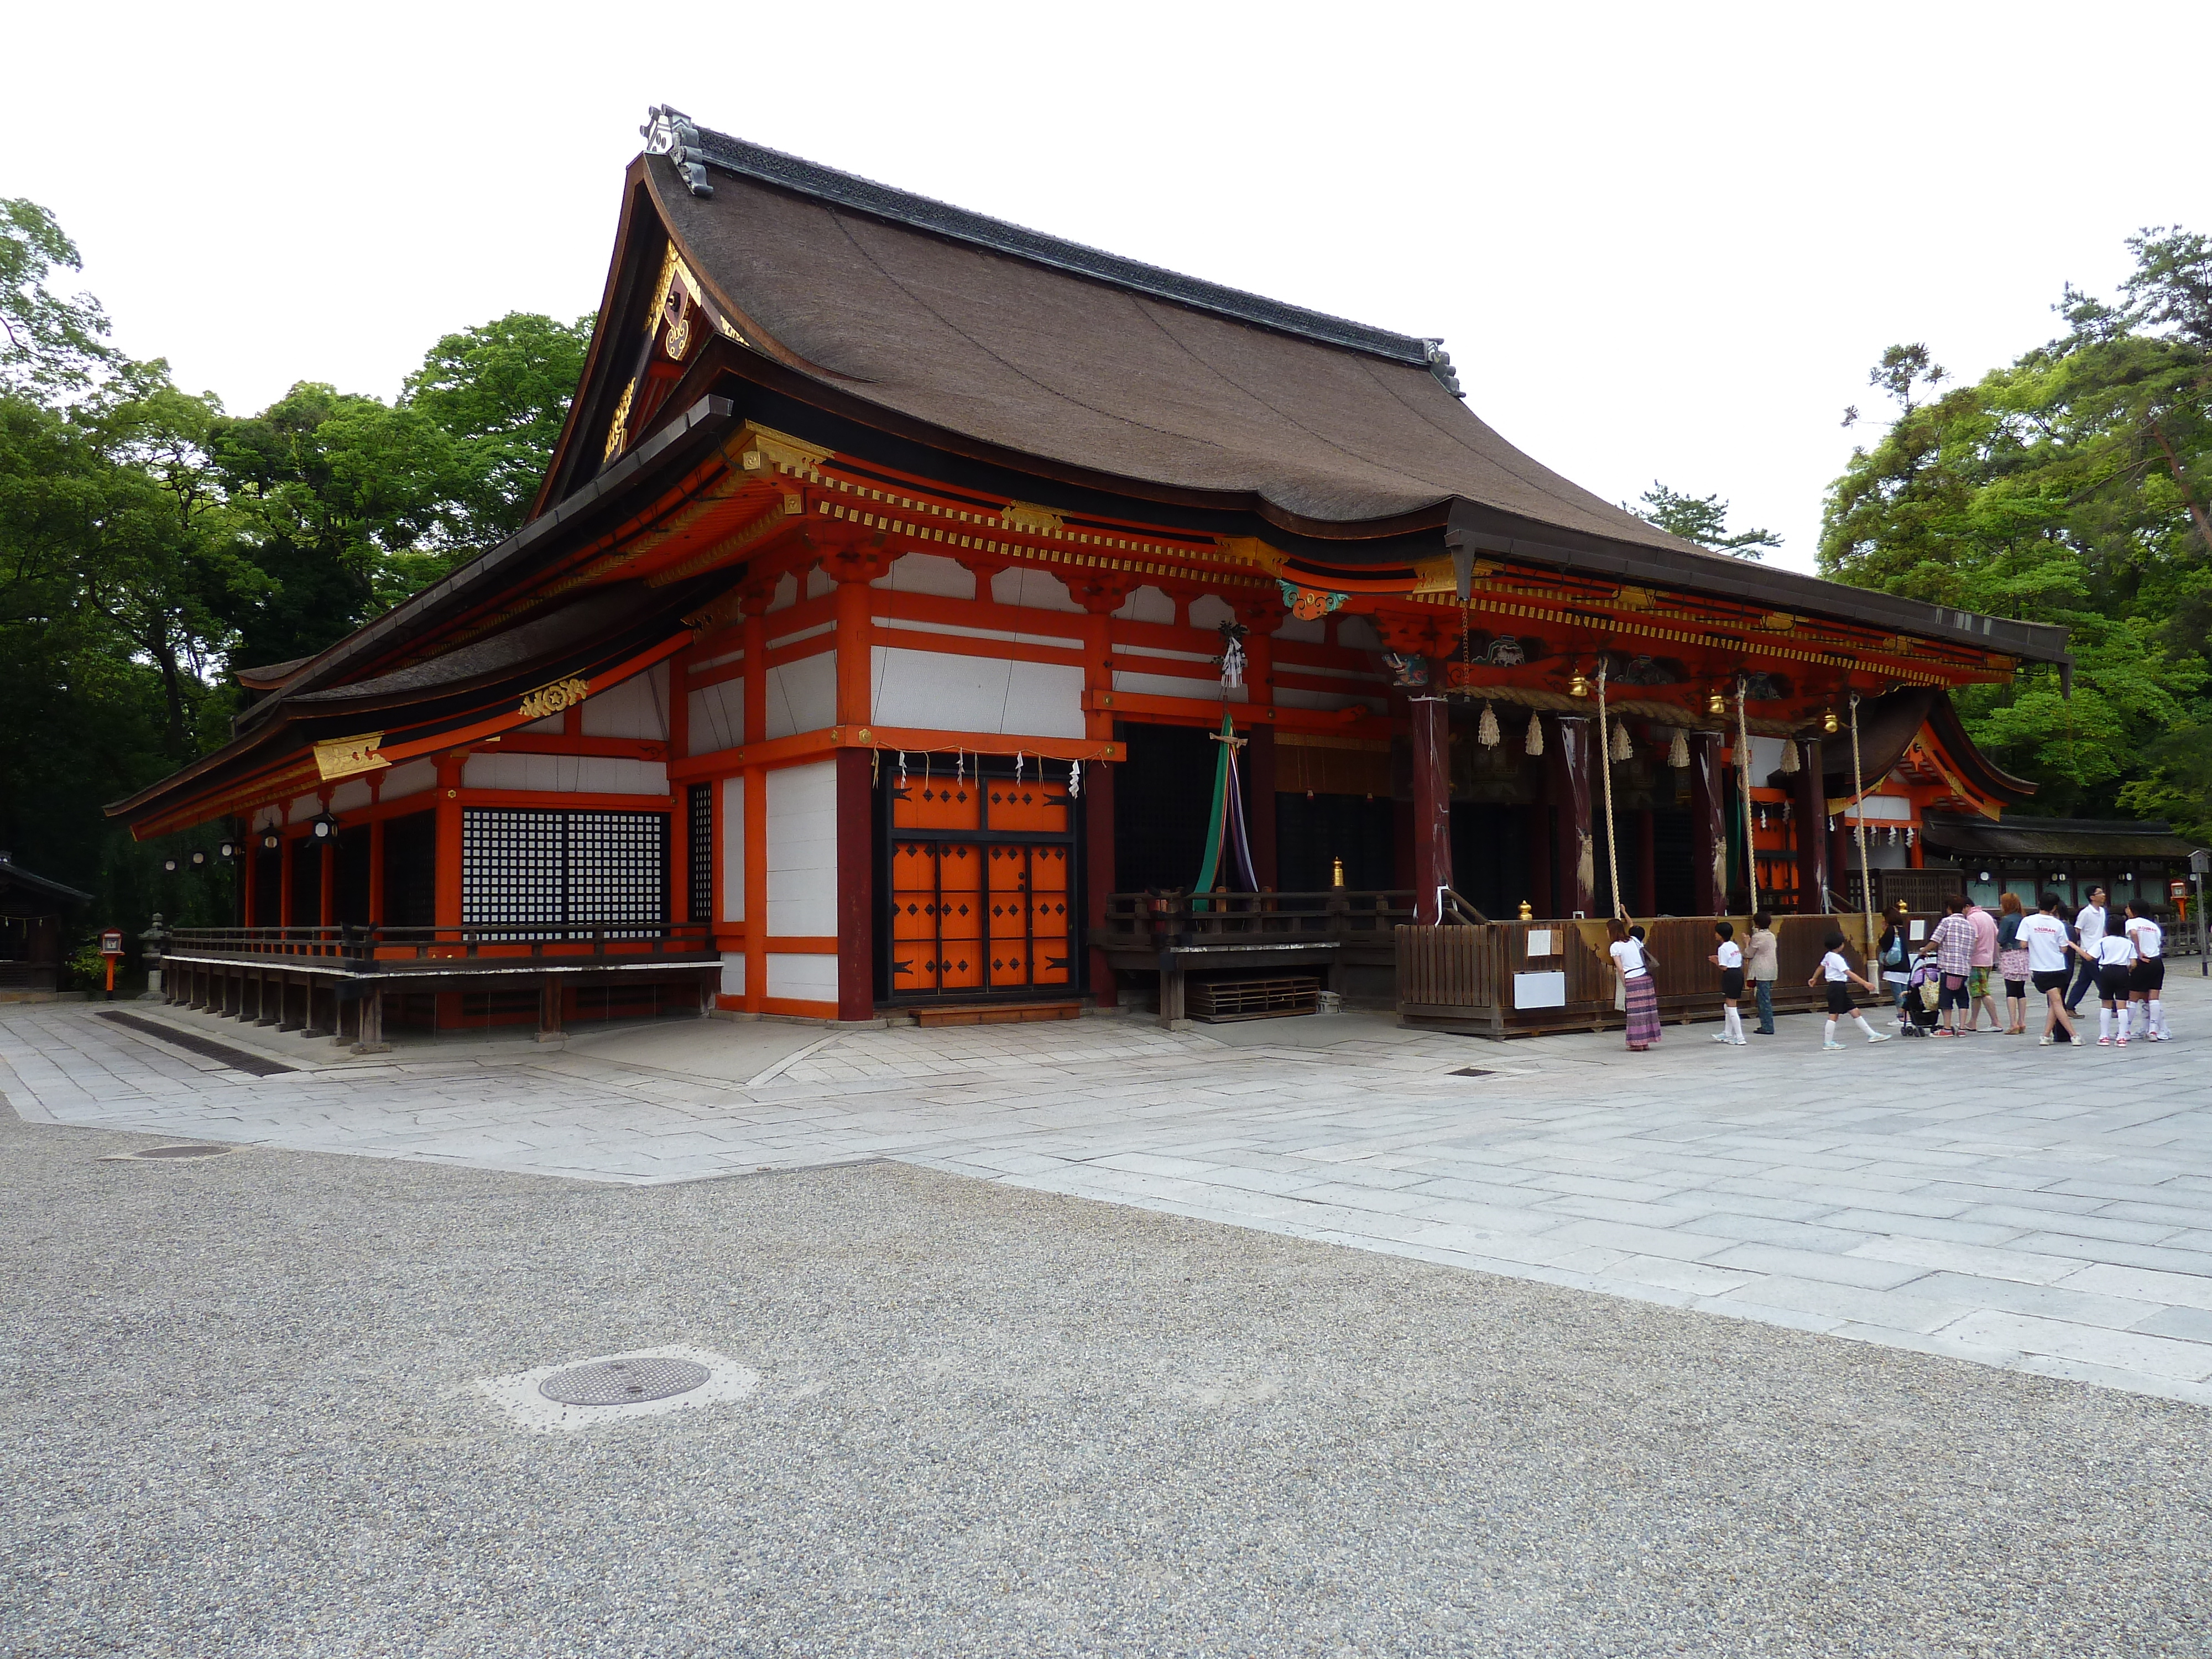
<point>669,132</point>
<point>1440,365</point>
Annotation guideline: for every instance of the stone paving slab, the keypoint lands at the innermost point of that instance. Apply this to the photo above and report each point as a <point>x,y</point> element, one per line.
<point>1986,1199</point>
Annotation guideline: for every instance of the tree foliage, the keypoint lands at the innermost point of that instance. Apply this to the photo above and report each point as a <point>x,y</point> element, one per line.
<point>150,543</point>
<point>1702,519</point>
<point>2069,487</point>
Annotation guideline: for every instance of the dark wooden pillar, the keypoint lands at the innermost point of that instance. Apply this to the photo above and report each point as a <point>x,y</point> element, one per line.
<point>1708,837</point>
<point>1432,867</point>
<point>1098,870</point>
<point>856,886</point>
<point>1541,897</point>
<point>1809,811</point>
<point>1647,863</point>
<point>550,995</point>
<point>1259,802</point>
<point>1576,850</point>
<point>371,1038</point>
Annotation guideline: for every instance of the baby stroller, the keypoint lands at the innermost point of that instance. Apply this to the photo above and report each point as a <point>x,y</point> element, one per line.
<point>1923,995</point>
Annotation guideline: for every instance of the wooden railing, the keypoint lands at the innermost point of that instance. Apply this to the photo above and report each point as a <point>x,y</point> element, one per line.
<point>364,947</point>
<point>1338,915</point>
<point>1487,978</point>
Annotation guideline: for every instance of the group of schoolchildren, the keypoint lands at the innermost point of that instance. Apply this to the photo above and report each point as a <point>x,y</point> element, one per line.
<point>1941,984</point>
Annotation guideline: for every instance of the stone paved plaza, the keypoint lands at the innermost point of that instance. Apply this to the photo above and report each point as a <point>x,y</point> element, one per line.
<point>1985,1200</point>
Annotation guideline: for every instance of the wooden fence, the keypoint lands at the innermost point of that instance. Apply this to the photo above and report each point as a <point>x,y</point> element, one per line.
<point>1514,978</point>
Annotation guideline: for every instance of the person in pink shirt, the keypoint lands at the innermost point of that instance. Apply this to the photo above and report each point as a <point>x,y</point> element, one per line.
<point>1981,960</point>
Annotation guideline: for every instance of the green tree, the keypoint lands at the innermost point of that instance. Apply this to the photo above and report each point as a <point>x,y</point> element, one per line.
<point>1702,519</point>
<point>2067,487</point>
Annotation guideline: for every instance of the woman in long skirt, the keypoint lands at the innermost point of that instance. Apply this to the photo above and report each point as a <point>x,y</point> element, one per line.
<point>1640,994</point>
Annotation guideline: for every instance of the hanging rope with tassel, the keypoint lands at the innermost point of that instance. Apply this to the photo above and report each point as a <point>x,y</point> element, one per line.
<point>1743,788</point>
<point>1605,764</point>
<point>1858,811</point>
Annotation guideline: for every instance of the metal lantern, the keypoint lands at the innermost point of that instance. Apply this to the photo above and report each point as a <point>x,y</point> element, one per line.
<point>168,867</point>
<point>323,826</point>
<point>270,841</point>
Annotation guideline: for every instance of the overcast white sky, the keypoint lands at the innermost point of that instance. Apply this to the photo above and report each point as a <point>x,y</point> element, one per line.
<point>1660,242</point>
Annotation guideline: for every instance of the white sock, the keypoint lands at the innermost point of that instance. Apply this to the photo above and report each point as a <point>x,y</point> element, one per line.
<point>1863,1026</point>
<point>2125,1008</point>
<point>2104,1022</point>
<point>2157,1016</point>
<point>1829,1035</point>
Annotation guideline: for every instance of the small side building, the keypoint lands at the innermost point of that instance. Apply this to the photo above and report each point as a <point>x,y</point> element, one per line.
<point>34,916</point>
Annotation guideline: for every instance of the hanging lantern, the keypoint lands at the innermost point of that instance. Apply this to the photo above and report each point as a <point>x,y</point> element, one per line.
<point>1716,704</point>
<point>1578,686</point>
<point>1678,752</point>
<point>1789,757</point>
<point>1486,733</point>
<point>1620,749</point>
<point>1533,743</point>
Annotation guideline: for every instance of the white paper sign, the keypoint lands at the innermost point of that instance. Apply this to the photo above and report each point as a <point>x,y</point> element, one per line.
<point>1539,942</point>
<point>1919,930</point>
<point>1540,990</point>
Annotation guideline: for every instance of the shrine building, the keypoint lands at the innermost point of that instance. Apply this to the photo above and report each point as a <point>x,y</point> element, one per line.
<point>869,644</point>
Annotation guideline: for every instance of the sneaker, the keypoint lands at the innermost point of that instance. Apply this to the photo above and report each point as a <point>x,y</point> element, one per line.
<point>1879,1037</point>
<point>1832,1045</point>
<point>1723,1036</point>
<point>2044,1042</point>
<point>1741,1043</point>
<point>2120,1042</point>
<point>2104,1042</point>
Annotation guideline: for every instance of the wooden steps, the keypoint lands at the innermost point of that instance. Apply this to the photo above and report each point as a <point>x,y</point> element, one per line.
<point>997,1013</point>
<point>1219,1000</point>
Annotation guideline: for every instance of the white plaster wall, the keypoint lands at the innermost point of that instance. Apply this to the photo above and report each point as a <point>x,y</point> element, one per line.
<point>1040,589</point>
<point>349,795</point>
<point>802,695</point>
<point>811,979</point>
<point>1765,759</point>
<point>1147,605</point>
<point>787,594</point>
<point>976,694</point>
<point>1306,630</point>
<point>802,855</point>
<point>411,779</point>
<point>1176,685</point>
<point>718,716</point>
<point>733,973</point>
<point>1887,808</point>
<point>551,723</point>
<point>1210,611</point>
<point>590,775</point>
<point>929,573</point>
<point>638,708</point>
<point>819,582</point>
<point>302,808</point>
<point>733,850</point>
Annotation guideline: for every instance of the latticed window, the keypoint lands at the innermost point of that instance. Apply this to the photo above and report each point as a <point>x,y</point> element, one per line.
<point>699,804</point>
<point>537,868</point>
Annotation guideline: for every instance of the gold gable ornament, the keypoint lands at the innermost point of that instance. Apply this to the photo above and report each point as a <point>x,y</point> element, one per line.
<point>549,700</point>
<point>346,758</point>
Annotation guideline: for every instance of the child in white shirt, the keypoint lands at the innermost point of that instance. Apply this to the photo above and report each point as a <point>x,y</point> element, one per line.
<point>2113,954</point>
<point>2147,977</point>
<point>1728,959</point>
<point>1837,973</point>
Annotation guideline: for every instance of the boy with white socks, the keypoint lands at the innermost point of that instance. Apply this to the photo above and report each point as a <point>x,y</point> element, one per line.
<point>2113,954</point>
<point>1840,979</point>
<point>2147,978</point>
<point>1727,957</point>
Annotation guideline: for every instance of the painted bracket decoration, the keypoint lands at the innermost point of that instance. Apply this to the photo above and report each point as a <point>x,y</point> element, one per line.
<point>1308,602</point>
<point>346,758</point>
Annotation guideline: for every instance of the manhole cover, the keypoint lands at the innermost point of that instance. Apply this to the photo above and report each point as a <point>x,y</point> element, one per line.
<point>183,1152</point>
<point>623,1382</point>
<point>1471,1071</point>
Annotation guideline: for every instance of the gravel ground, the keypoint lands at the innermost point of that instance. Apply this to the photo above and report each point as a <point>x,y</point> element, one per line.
<point>241,1419</point>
